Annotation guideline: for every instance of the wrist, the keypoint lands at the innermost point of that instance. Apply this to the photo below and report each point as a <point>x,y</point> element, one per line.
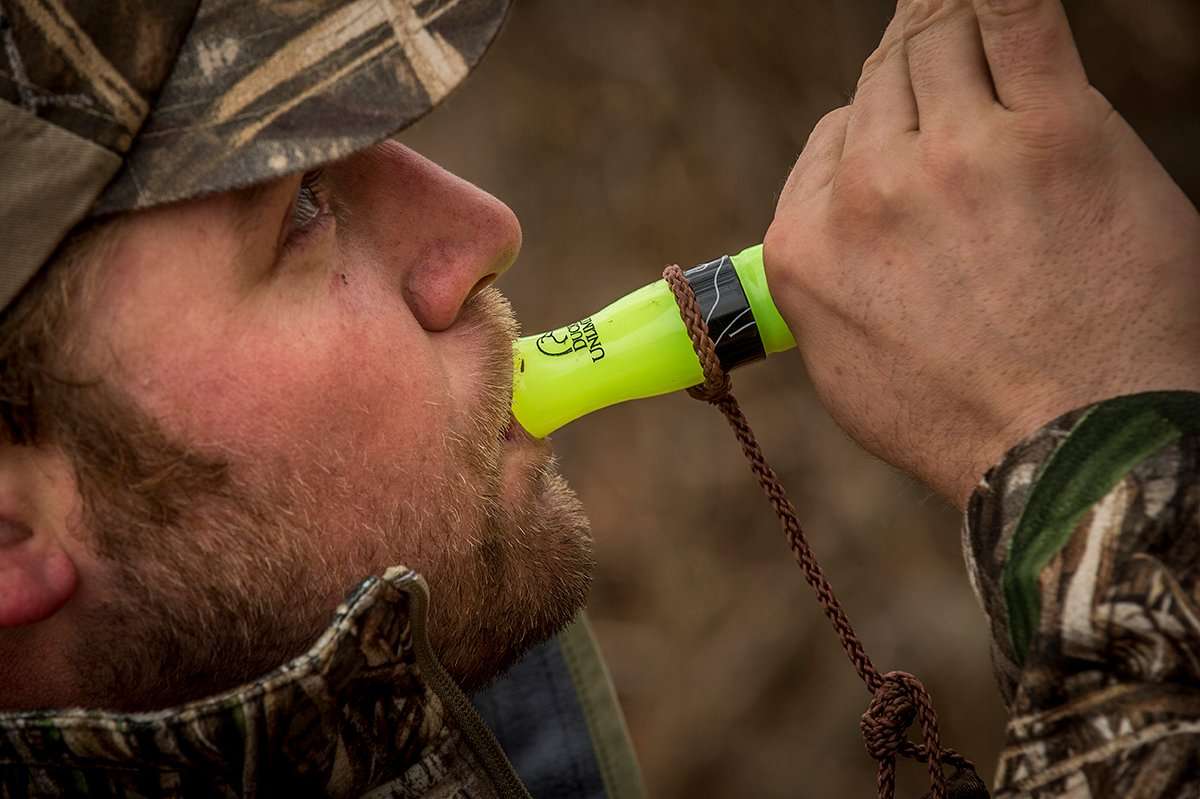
<point>1018,435</point>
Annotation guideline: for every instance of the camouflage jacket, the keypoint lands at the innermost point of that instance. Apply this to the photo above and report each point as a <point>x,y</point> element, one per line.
<point>366,712</point>
<point>1084,548</point>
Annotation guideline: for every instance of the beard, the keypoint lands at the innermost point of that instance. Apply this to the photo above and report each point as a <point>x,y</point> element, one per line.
<point>218,571</point>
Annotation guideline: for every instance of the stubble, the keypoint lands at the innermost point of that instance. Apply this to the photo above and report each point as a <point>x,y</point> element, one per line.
<point>217,574</point>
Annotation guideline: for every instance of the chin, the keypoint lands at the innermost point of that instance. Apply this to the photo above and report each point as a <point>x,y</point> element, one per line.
<point>529,577</point>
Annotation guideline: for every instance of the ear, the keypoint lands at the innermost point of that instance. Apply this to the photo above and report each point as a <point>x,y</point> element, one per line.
<point>36,576</point>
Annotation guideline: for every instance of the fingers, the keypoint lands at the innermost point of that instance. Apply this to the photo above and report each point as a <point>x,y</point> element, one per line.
<point>946,63</point>
<point>883,104</point>
<point>818,162</point>
<point>1030,52</point>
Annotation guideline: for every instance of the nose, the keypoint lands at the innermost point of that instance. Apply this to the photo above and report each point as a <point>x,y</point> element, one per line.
<point>440,238</point>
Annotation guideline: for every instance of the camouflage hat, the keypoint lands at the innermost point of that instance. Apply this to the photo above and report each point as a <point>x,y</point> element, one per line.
<point>123,104</point>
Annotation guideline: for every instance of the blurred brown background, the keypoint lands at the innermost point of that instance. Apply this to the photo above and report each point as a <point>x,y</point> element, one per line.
<point>629,134</point>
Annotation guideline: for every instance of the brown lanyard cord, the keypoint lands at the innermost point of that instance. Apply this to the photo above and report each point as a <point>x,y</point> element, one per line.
<point>897,697</point>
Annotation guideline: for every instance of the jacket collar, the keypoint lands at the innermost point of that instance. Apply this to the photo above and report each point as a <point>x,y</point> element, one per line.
<point>367,707</point>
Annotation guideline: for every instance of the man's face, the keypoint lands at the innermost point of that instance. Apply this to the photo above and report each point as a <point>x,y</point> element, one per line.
<point>330,339</point>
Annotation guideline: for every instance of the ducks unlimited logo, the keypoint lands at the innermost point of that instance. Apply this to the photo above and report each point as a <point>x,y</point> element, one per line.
<point>579,336</point>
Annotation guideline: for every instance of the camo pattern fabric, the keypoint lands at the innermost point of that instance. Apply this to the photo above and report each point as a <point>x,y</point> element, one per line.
<point>1101,689</point>
<point>265,88</point>
<point>355,716</point>
<point>209,95</point>
<point>91,68</point>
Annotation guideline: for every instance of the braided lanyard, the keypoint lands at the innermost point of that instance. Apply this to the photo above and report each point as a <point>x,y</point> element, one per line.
<point>897,697</point>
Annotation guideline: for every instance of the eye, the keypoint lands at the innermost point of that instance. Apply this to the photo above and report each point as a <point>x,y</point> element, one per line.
<point>310,201</point>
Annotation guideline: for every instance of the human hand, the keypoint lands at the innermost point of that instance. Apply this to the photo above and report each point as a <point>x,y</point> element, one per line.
<point>979,243</point>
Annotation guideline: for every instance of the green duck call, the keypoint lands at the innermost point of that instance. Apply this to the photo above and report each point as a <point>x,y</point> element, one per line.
<point>638,346</point>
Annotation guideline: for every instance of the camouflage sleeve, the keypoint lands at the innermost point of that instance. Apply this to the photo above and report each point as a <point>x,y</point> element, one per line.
<point>1083,546</point>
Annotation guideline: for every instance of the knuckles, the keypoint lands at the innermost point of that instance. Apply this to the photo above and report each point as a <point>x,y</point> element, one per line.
<point>875,190</point>
<point>933,177</point>
<point>1047,130</point>
<point>952,163</point>
<point>869,194</point>
<point>1057,140</point>
<point>827,125</point>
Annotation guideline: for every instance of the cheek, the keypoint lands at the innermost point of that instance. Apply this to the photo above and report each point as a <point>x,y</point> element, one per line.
<point>280,374</point>
<point>370,390</point>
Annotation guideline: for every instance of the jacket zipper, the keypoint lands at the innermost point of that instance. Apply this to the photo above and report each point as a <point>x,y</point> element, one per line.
<point>508,784</point>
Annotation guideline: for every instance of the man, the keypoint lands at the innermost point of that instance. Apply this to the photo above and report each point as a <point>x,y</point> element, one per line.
<point>284,372</point>
<point>222,414</point>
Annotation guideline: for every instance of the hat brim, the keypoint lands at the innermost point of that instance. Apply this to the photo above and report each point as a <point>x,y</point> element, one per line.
<point>263,89</point>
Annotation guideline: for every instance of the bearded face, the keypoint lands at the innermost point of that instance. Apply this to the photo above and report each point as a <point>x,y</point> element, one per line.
<point>285,390</point>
